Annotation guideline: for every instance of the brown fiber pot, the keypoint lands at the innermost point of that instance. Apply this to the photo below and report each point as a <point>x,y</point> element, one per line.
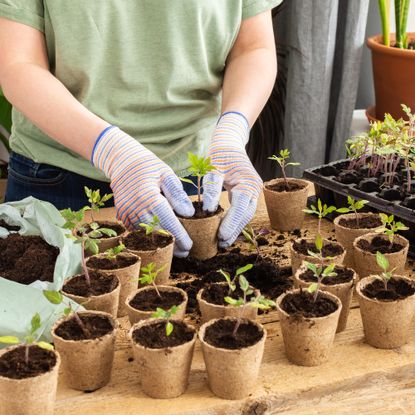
<point>164,373</point>
<point>232,374</point>
<point>297,258</point>
<point>35,395</point>
<point>135,315</point>
<point>346,236</point>
<point>344,292</point>
<point>108,302</point>
<point>87,364</point>
<point>366,264</point>
<point>128,278</point>
<point>387,324</point>
<point>285,209</point>
<point>204,234</point>
<point>308,341</point>
<point>393,73</point>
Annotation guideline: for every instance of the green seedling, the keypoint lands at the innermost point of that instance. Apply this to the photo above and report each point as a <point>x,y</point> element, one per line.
<point>319,247</point>
<point>96,200</point>
<point>149,274</point>
<point>238,274</point>
<point>354,206</point>
<point>153,227</point>
<point>321,211</point>
<point>320,273</point>
<point>112,253</point>
<point>383,263</point>
<point>166,315</point>
<point>252,238</point>
<point>390,227</point>
<point>282,161</point>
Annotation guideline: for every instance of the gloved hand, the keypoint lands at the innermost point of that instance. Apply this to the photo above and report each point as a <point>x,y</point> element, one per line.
<point>137,176</point>
<point>235,172</point>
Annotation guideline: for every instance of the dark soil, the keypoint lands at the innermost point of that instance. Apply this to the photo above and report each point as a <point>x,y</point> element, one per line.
<point>95,326</point>
<point>13,364</point>
<point>220,334</point>
<point>329,249</point>
<point>100,284</point>
<point>154,336</point>
<point>343,275</point>
<point>25,259</point>
<point>10,228</point>
<point>367,222</point>
<point>202,214</point>
<point>119,262</point>
<point>379,244</point>
<point>398,289</point>
<point>282,187</point>
<point>139,241</point>
<point>216,293</point>
<point>119,229</point>
<point>302,305</point>
<point>149,300</point>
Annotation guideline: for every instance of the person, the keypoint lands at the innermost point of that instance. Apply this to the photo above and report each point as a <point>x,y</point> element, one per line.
<point>114,94</point>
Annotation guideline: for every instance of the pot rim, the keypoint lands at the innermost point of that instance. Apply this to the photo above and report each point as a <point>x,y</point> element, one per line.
<point>102,254</point>
<point>117,222</point>
<point>325,241</point>
<point>362,215</point>
<point>138,252</point>
<point>118,287</point>
<point>375,44</point>
<point>373,234</point>
<point>289,179</point>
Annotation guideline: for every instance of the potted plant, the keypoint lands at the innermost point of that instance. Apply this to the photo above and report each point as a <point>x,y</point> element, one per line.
<point>145,301</point>
<point>387,242</point>
<point>5,128</point>
<point>286,198</point>
<point>393,59</point>
<point>387,306</point>
<point>203,226</point>
<point>163,351</point>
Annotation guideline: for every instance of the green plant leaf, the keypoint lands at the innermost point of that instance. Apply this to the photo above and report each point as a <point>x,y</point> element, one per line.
<point>45,346</point>
<point>382,261</point>
<point>243,283</point>
<point>312,288</point>
<point>54,297</point>
<point>242,270</point>
<point>319,242</point>
<point>169,328</point>
<point>9,340</point>
<point>35,323</point>
<point>343,210</point>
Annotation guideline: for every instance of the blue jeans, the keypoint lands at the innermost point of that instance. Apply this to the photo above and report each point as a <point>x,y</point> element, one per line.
<point>58,186</point>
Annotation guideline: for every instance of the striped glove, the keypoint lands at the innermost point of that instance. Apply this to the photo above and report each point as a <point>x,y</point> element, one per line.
<point>137,176</point>
<point>235,172</point>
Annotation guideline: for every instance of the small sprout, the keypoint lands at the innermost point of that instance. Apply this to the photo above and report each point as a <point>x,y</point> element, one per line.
<point>95,200</point>
<point>153,227</point>
<point>112,253</point>
<point>390,227</point>
<point>232,281</point>
<point>149,275</point>
<point>282,161</point>
<point>321,211</point>
<point>166,315</point>
<point>384,264</point>
<point>320,273</point>
<point>354,206</point>
<point>251,238</point>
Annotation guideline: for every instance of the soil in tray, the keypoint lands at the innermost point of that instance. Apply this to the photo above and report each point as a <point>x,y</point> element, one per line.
<point>13,364</point>
<point>25,259</point>
<point>282,187</point>
<point>220,334</point>
<point>149,300</point>
<point>154,336</point>
<point>216,293</point>
<point>379,244</point>
<point>10,228</point>
<point>329,249</point>
<point>202,214</point>
<point>119,262</point>
<point>367,222</point>
<point>100,284</point>
<point>302,305</point>
<point>139,241</point>
<point>344,275</point>
<point>114,226</point>
<point>398,289</point>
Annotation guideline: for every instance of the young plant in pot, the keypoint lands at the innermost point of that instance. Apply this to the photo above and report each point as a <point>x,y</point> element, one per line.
<point>203,226</point>
<point>163,350</point>
<point>255,240</point>
<point>142,303</point>
<point>285,198</point>
<point>387,306</point>
<point>386,241</point>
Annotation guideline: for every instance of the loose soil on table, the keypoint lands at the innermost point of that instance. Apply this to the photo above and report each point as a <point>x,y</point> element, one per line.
<point>95,327</point>
<point>100,284</point>
<point>367,222</point>
<point>114,226</point>
<point>139,241</point>
<point>379,244</point>
<point>119,262</point>
<point>13,364</point>
<point>344,275</point>
<point>25,259</point>
<point>10,228</point>
<point>216,293</point>
<point>302,305</point>
<point>202,214</point>
<point>329,249</point>
<point>398,289</point>
<point>149,300</point>
<point>220,334</point>
<point>154,336</point>
<point>282,187</point>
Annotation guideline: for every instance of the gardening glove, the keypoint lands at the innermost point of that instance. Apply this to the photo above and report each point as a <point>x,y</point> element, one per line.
<point>235,172</point>
<point>137,177</point>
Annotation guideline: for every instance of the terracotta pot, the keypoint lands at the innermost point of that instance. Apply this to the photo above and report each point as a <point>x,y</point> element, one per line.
<point>108,302</point>
<point>35,395</point>
<point>346,236</point>
<point>164,373</point>
<point>86,364</point>
<point>128,278</point>
<point>297,258</point>
<point>344,292</point>
<point>387,324</point>
<point>232,374</point>
<point>308,341</point>
<point>285,209</point>
<point>393,73</point>
<point>204,234</point>
<point>3,186</point>
<point>366,264</point>
<point>135,315</point>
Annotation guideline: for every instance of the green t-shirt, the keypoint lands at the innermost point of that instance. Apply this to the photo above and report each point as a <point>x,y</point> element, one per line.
<point>152,67</point>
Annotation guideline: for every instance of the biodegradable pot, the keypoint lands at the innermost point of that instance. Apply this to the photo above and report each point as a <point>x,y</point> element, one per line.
<point>135,315</point>
<point>232,374</point>
<point>128,278</point>
<point>298,258</point>
<point>108,302</point>
<point>285,209</point>
<point>308,341</point>
<point>35,395</point>
<point>393,73</point>
<point>107,243</point>
<point>204,234</point>
<point>343,291</point>
<point>386,324</point>
<point>346,236</point>
<point>366,264</point>
<point>164,373</point>
<point>87,364</point>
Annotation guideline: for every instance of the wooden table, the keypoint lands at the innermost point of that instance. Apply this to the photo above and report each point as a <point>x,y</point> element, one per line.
<point>358,379</point>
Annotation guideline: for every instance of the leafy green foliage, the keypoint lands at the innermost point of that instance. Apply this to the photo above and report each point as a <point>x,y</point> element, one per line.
<point>112,253</point>
<point>96,200</point>
<point>166,315</point>
<point>354,206</point>
<point>153,226</point>
<point>149,274</point>
<point>320,272</point>
<point>383,263</point>
<point>238,274</point>
<point>281,159</point>
<point>321,211</point>
<point>390,226</point>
